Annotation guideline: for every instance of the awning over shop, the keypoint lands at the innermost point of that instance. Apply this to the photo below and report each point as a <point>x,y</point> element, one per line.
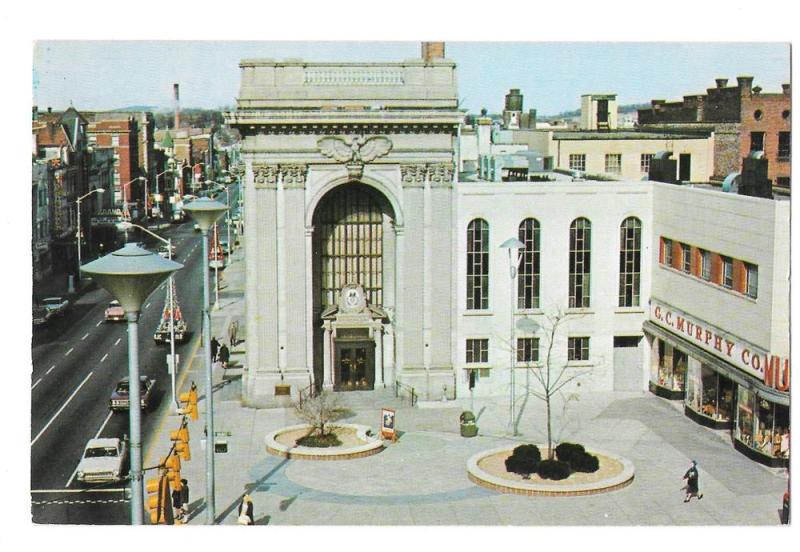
<point>720,365</point>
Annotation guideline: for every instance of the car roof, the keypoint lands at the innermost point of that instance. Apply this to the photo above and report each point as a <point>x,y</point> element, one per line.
<point>113,302</point>
<point>125,379</point>
<point>102,442</point>
<point>53,299</point>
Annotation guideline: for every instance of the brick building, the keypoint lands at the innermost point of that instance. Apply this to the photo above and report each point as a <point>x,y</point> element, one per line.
<point>122,135</point>
<point>742,118</point>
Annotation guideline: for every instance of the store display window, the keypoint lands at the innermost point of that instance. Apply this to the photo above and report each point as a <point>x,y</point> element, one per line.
<point>670,371</point>
<point>762,425</point>
<point>716,394</point>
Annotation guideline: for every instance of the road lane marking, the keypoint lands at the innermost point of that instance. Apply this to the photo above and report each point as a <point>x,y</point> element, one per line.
<point>105,356</point>
<point>99,431</point>
<point>98,323</point>
<point>37,383</point>
<point>117,341</point>
<point>84,337</point>
<point>60,410</point>
<point>68,352</point>
<point>51,369</point>
<point>105,490</point>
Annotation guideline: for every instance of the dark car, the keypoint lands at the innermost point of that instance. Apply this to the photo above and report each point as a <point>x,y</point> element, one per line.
<point>119,398</point>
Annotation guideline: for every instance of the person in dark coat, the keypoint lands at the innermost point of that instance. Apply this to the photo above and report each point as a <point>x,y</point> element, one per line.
<point>692,478</point>
<point>246,511</point>
<point>224,355</point>
<point>214,349</point>
<point>184,497</point>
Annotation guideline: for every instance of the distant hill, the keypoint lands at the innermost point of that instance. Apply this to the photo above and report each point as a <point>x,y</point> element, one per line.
<point>628,108</point>
<point>152,108</point>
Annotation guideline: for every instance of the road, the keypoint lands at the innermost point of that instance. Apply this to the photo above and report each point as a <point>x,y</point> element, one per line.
<point>77,361</point>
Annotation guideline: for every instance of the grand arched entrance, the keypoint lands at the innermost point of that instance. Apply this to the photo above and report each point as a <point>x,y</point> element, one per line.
<point>353,288</point>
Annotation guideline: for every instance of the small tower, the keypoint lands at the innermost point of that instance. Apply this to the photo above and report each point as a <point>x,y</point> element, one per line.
<point>599,112</point>
<point>513,109</point>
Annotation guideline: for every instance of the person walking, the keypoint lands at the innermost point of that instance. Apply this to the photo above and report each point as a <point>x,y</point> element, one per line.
<point>246,511</point>
<point>214,348</point>
<point>184,499</point>
<point>692,478</point>
<point>233,330</point>
<point>176,504</point>
<point>224,355</point>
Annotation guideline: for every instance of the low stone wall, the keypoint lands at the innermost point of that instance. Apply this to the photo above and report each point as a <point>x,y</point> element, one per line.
<point>371,445</point>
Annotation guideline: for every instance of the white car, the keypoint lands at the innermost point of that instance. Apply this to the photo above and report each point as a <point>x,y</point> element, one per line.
<point>114,312</point>
<point>103,461</point>
<point>55,305</point>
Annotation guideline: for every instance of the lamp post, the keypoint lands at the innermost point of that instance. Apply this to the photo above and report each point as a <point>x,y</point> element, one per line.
<point>205,212</point>
<point>515,249</point>
<point>123,187</point>
<point>80,226</point>
<point>167,241</point>
<point>157,190</point>
<point>130,274</point>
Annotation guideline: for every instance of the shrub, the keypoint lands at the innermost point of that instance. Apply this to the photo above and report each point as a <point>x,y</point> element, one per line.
<point>316,440</point>
<point>565,451</point>
<point>553,469</point>
<point>524,460</point>
<point>584,462</point>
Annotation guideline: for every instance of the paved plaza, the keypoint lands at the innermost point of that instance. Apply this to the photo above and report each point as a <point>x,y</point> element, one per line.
<point>422,478</point>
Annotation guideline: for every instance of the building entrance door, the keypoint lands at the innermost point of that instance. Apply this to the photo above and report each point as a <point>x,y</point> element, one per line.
<point>355,366</point>
<point>685,168</point>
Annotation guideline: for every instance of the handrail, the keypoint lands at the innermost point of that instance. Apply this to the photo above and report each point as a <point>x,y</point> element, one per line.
<point>412,392</point>
<point>308,392</point>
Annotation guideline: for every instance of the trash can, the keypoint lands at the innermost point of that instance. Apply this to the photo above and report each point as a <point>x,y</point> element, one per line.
<point>468,426</point>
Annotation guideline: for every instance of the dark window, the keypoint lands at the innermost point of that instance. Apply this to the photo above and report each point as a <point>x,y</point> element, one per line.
<point>756,141</point>
<point>528,280</point>
<point>727,272</point>
<point>577,161</point>
<point>758,114</point>
<point>644,162</point>
<point>478,265</point>
<point>630,259</point>
<point>784,145</point>
<point>580,234</point>
<point>477,351</point>
<point>578,348</point>
<point>705,259</point>
<point>751,284</point>
<point>686,254</point>
<point>528,349</point>
<point>667,251</point>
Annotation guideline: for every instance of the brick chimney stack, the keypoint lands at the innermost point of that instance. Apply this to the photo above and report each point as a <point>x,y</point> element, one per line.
<point>432,51</point>
<point>175,90</point>
<point>745,85</point>
<point>787,89</point>
<point>721,83</point>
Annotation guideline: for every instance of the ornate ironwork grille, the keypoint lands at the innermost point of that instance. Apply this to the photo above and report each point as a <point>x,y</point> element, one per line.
<point>528,280</point>
<point>351,229</point>
<point>478,265</point>
<point>630,260</point>
<point>580,234</point>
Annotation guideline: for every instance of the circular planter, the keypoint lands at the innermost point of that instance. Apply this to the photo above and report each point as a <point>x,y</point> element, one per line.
<point>281,443</point>
<point>487,469</point>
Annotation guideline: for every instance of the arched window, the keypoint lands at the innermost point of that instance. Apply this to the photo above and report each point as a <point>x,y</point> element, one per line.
<point>528,276</point>
<point>630,261</point>
<point>580,243</point>
<point>478,265</point>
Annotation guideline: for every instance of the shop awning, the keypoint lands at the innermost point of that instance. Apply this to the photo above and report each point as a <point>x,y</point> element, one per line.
<point>719,365</point>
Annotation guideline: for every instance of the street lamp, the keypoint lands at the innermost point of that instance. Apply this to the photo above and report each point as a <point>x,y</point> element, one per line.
<point>80,226</point>
<point>168,241</point>
<point>124,195</point>
<point>130,274</point>
<point>205,212</point>
<point>157,190</point>
<point>515,250</point>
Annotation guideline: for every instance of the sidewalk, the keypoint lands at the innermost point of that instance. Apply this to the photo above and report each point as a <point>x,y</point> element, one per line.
<point>422,479</point>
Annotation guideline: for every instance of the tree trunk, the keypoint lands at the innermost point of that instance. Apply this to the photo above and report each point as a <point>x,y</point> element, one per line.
<point>550,452</point>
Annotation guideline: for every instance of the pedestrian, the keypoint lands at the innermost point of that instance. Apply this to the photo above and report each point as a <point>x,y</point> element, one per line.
<point>176,504</point>
<point>214,348</point>
<point>224,355</point>
<point>233,329</point>
<point>246,511</point>
<point>184,499</point>
<point>692,483</point>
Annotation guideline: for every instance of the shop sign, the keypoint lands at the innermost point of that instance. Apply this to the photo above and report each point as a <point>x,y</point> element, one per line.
<point>771,369</point>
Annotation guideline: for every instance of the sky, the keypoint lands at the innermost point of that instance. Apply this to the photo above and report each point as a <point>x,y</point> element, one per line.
<point>101,75</point>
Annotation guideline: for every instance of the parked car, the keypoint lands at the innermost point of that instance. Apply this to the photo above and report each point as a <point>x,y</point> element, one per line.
<point>55,305</point>
<point>40,315</point>
<point>119,397</point>
<point>165,251</point>
<point>114,312</point>
<point>103,461</point>
<point>224,245</point>
<point>196,227</point>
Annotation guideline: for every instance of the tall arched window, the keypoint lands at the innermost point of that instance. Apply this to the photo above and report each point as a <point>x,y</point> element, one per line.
<point>580,243</point>
<point>478,265</point>
<point>630,261</point>
<point>528,277</point>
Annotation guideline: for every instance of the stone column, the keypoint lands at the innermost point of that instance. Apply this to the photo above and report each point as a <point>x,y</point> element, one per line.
<point>327,382</point>
<point>412,280</point>
<point>379,376</point>
<point>309,307</point>
<point>441,250</point>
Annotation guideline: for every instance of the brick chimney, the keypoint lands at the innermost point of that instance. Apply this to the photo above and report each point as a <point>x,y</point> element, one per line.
<point>432,51</point>
<point>787,89</point>
<point>745,85</point>
<point>721,83</point>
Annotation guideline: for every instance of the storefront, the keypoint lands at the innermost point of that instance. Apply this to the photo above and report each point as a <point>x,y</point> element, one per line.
<point>725,382</point>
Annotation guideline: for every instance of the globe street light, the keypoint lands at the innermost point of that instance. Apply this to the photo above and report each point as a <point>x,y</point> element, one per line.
<point>205,213</point>
<point>515,250</point>
<point>130,274</point>
<point>168,241</point>
<point>80,226</point>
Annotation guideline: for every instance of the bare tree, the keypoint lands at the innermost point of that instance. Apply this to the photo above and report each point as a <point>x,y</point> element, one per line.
<point>320,411</point>
<point>551,375</point>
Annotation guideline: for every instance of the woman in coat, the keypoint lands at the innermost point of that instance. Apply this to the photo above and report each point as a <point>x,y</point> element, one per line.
<point>246,511</point>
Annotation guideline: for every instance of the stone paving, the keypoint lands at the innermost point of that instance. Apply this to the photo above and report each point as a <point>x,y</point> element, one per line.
<point>422,479</point>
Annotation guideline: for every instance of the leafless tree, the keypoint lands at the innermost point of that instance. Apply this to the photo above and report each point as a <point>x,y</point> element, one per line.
<point>320,411</point>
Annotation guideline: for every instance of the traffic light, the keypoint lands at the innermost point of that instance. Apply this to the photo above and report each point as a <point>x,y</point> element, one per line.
<point>181,439</point>
<point>173,465</point>
<point>158,500</point>
<point>189,400</point>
